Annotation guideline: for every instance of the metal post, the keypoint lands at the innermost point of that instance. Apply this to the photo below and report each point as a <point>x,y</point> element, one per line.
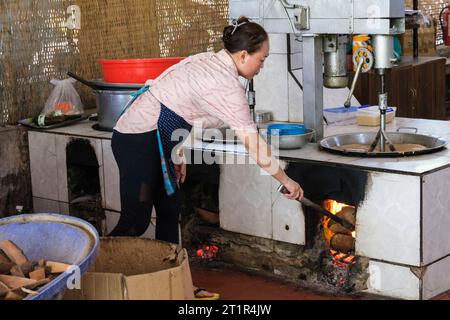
<point>415,33</point>
<point>313,84</point>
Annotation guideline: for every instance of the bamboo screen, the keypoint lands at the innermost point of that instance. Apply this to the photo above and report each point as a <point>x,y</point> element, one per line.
<point>35,45</point>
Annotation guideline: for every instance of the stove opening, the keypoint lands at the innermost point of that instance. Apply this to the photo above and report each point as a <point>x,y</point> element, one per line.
<point>337,236</point>
<point>339,191</point>
<point>83,182</point>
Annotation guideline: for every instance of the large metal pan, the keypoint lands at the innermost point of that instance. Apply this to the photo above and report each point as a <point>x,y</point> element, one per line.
<point>334,144</point>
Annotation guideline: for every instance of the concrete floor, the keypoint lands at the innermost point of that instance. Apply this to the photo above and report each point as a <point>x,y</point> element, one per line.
<point>237,285</point>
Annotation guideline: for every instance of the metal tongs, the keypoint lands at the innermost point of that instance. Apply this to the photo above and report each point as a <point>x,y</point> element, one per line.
<point>318,209</point>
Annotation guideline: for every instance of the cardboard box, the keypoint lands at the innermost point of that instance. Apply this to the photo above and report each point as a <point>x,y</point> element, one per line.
<point>136,269</point>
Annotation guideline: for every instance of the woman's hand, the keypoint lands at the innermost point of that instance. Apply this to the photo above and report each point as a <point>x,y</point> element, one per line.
<point>180,171</point>
<point>295,191</point>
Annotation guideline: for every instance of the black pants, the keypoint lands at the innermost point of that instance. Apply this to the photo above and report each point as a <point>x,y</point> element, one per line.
<point>142,188</point>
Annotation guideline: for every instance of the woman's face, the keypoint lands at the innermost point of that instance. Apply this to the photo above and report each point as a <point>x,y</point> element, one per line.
<point>249,65</point>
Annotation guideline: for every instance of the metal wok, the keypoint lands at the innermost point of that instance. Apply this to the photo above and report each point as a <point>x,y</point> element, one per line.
<point>334,144</point>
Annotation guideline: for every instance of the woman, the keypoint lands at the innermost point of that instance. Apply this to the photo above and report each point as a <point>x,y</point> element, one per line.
<point>204,87</point>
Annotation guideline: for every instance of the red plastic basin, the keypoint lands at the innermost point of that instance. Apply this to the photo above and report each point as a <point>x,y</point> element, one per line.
<point>135,70</point>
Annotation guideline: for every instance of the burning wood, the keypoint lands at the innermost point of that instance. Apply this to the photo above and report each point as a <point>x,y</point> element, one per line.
<point>20,277</point>
<point>338,237</point>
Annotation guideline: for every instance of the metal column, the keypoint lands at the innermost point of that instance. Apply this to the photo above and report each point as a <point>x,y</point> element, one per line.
<point>313,84</point>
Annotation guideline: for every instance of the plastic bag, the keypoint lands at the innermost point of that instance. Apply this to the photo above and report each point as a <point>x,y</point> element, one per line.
<point>64,98</point>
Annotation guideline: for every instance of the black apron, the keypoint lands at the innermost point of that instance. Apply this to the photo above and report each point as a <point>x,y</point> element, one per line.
<point>168,122</point>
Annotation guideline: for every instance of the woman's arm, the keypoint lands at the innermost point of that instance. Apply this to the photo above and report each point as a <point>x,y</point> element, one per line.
<point>262,154</point>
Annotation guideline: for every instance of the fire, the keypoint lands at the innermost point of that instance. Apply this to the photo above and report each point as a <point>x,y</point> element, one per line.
<point>207,252</point>
<point>334,207</point>
<point>341,259</point>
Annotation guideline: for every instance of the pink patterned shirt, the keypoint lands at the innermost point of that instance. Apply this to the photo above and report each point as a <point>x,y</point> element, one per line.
<point>202,88</point>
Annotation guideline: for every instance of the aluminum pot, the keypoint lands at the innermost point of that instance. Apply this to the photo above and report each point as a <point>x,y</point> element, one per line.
<point>110,105</point>
<point>431,144</point>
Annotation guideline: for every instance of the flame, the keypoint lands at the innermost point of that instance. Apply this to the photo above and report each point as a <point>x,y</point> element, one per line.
<point>342,259</point>
<point>207,252</point>
<point>334,207</point>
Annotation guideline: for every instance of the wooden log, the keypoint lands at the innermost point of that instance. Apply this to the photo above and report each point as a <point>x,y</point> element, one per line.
<point>343,243</point>
<point>57,267</point>
<point>28,267</point>
<point>38,274</point>
<point>6,267</point>
<point>15,295</point>
<point>349,214</point>
<point>37,284</point>
<point>337,228</point>
<point>16,282</point>
<point>4,289</point>
<point>13,252</point>
<point>17,272</point>
<point>4,258</point>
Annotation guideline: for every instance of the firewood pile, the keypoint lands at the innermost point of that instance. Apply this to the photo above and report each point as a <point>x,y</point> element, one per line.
<point>342,239</point>
<point>19,277</point>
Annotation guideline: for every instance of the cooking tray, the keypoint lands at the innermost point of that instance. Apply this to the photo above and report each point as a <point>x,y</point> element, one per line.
<point>28,122</point>
<point>431,143</point>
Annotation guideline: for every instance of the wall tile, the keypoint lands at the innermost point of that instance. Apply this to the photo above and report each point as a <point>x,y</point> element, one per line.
<point>245,200</point>
<point>393,281</point>
<point>436,215</point>
<point>271,87</point>
<point>436,279</point>
<point>112,179</point>
<point>43,165</point>
<point>288,218</point>
<point>388,220</point>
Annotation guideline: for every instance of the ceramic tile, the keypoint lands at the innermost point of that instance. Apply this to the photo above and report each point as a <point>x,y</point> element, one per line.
<point>61,166</point>
<point>336,97</point>
<point>288,218</point>
<point>295,99</point>
<point>111,178</point>
<point>64,208</point>
<point>271,87</point>
<point>112,218</point>
<point>436,279</point>
<point>393,281</point>
<point>296,44</point>
<point>43,164</point>
<point>248,8</point>
<point>46,206</point>
<point>297,63</point>
<point>436,216</point>
<point>245,205</point>
<point>278,43</point>
<point>388,220</point>
<point>273,10</point>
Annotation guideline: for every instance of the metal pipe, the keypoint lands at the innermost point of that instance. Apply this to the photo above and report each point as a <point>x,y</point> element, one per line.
<point>348,102</point>
<point>288,5</point>
<point>415,33</point>
<point>383,109</point>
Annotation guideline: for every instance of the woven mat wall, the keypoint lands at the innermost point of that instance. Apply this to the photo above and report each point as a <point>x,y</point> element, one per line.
<point>35,47</point>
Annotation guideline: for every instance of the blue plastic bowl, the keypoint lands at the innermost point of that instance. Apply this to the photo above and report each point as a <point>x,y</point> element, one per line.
<point>285,129</point>
<point>55,238</point>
